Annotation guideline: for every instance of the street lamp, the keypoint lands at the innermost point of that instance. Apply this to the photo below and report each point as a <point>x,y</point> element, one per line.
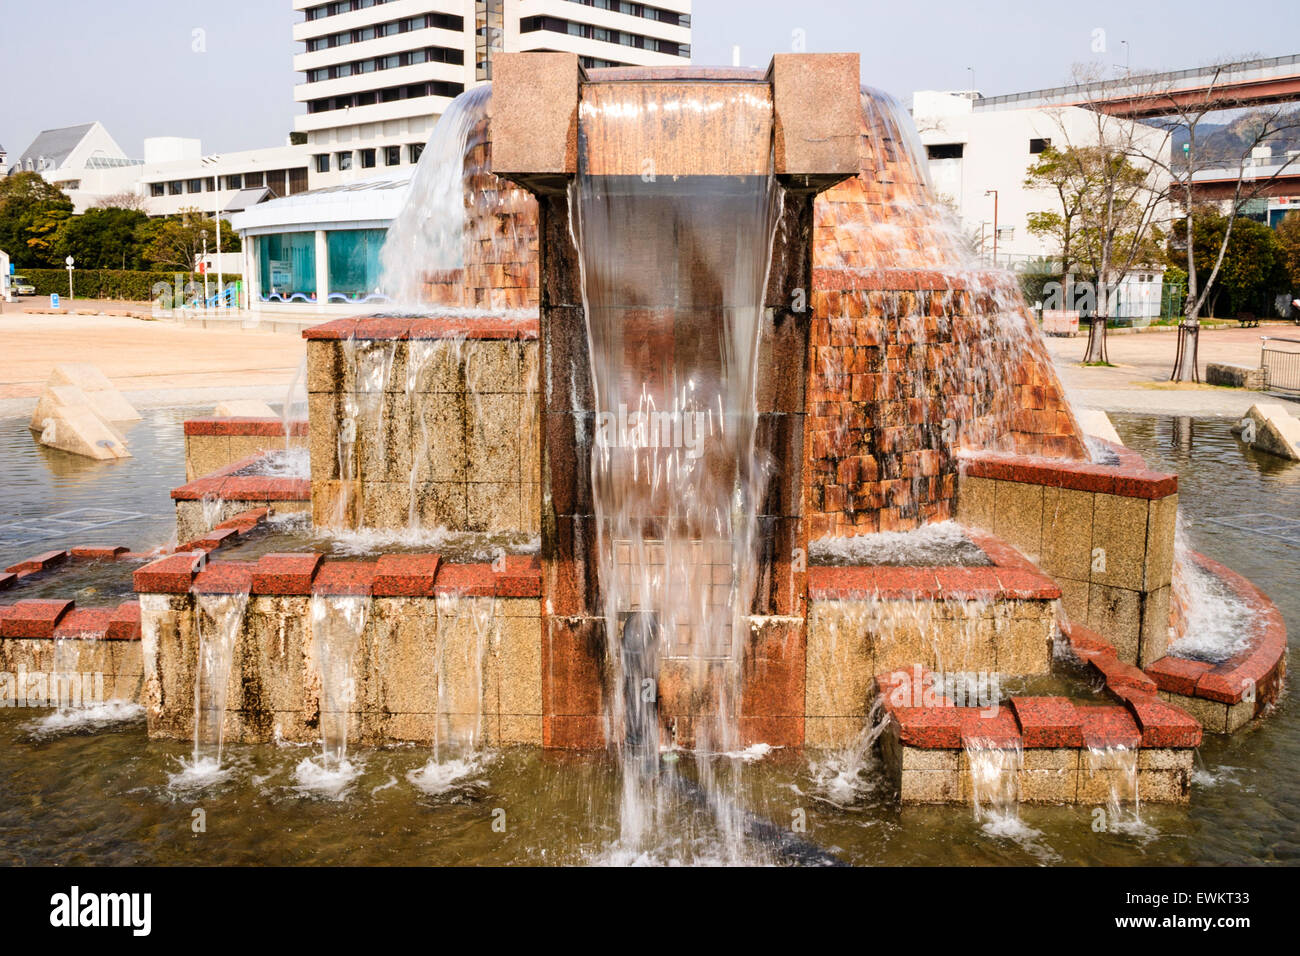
<point>69,263</point>
<point>994,194</point>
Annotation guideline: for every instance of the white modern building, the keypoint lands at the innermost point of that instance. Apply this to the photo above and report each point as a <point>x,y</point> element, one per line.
<point>979,160</point>
<point>175,176</point>
<point>377,74</point>
<point>84,161</point>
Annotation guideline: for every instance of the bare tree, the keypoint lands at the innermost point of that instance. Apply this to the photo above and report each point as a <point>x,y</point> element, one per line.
<point>1114,201</point>
<point>126,199</point>
<point>1187,109</point>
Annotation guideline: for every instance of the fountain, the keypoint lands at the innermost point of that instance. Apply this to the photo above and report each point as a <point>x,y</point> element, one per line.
<point>722,439</point>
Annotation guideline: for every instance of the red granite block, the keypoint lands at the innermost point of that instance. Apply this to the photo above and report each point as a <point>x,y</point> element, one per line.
<point>7,580</point>
<point>931,728</point>
<point>41,562</point>
<point>1108,727</point>
<point>773,731</point>
<point>907,582</point>
<point>88,623</point>
<point>265,488</point>
<point>125,622</point>
<point>1048,721</point>
<point>245,520</point>
<point>337,329</point>
<point>521,577</point>
<point>382,328</point>
<point>33,618</point>
<point>838,583</point>
<point>1162,724</point>
<point>210,541</point>
<point>169,575</point>
<point>406,575</point>
<point>196,489</point>
<point>344,578</point>
<point>98,553</point>
<point>1145,484</point>
<point>1027,585</point>
<point>1177,676</point>
<point>488,328</point>
<point>224,577</point>
<point>1086,644</point>
<point>469,580</point>
<point>245,425</point>
<point>1226,688</point>
<point>997,728</point>
<point>1120,674</point>
<point>285,574</point>
<point>973,582</point>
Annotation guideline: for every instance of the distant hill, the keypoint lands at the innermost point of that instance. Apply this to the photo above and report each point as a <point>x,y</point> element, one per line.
<point>1229,140</point>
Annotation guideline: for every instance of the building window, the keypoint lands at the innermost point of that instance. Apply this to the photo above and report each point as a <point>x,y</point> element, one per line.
<point>194,186</point>
<point>254,180</point>
<point>322,162</point>
<point>235,181</point>
<point>175,188</point>
<point>1036,146</point>
<point>367,159</point>
<point>287,266</point>
<point>392,155</point>
<point>345,160</point>
<point>354,261</point>
<point>157,189</point>
<point>945,150</point>
<point>210,184</point>
<point>297,180</point>
<point>414,151</point>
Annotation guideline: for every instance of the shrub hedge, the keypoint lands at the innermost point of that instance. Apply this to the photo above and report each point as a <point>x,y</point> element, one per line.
<point>127,284</point>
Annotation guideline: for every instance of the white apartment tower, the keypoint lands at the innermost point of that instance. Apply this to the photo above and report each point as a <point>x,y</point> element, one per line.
<point>375,75</point>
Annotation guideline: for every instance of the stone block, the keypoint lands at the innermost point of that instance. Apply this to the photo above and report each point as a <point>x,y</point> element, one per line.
<point>535,118</point>
<point>1067,533</point>
<point>1119,529</point>
<point>817,105</point>
<point>1116,613</point>
<point>1018,516</point>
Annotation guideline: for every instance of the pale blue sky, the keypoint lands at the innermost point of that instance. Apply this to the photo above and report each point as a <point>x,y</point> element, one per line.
<point>130,63</point>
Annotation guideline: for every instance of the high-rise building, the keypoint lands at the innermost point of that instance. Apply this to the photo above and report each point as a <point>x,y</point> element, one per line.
<point>375,75</point>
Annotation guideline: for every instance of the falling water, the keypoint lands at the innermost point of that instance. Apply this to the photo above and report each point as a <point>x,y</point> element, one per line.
<point>1120,766</point>
<point>291,400</point>
<point>465,629</point>
<point>220,619</point>
<point>1210,622</point>
<point>674,269</point>
<point>337,622</point>
<point>994,768</point>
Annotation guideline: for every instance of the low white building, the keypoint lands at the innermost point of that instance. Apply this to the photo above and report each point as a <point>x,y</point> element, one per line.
<point>979,160</point>
<point>320,248</point>
<point>175,175</point>
<point>84,161</point>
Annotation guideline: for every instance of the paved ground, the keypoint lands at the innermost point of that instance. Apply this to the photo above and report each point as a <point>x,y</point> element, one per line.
<point>1140,380</point>
<point>156,363</point>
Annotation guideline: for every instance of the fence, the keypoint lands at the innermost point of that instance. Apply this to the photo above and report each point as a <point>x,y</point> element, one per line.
<point>1281,359</point>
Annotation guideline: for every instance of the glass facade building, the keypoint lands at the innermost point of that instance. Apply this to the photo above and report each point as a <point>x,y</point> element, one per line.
<point>287,266</point>
<point>354,261</point>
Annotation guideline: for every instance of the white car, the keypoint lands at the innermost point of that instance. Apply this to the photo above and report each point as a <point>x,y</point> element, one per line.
<point>21,286</point>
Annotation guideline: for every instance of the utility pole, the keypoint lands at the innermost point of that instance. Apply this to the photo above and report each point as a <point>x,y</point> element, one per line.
<point>994,194</point>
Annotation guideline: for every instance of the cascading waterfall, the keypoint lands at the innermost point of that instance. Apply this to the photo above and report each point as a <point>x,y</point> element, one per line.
<point>1120,766</point>
<point>673,271</point>
<point>1210,623</point>
<point>221,618</point>
<point>291,401</point>
<point>337,622</point>
<point>465,628</point>
<point>994,768</point>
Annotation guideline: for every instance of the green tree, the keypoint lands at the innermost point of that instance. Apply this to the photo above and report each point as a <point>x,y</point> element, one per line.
<point>103,239</point>
<point>1288,238</point>
<point>1253,266</point>
<point>178,241</point>
<point>31,212</point>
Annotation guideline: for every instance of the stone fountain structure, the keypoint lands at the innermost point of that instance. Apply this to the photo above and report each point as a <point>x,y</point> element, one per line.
<point>868,380</point>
